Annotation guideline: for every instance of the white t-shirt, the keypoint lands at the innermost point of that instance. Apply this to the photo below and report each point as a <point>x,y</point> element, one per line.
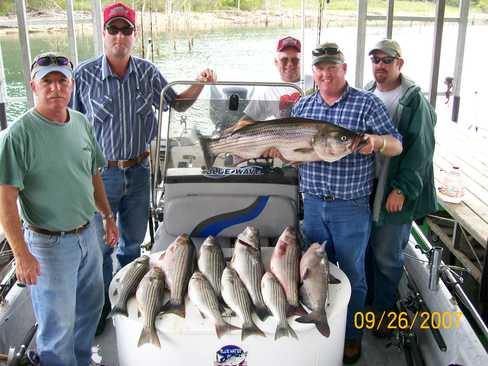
<point>271,102</point>
<point>390,99</point>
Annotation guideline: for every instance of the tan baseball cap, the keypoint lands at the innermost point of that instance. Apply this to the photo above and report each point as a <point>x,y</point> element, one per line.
<point>388,46</point>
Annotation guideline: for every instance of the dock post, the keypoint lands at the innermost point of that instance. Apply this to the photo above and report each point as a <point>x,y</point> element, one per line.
<point>458,65</point>
<point>97,27</point>
<point>436,52</point>
<point>71,32</point>
<point>25,47</point>
<point>361,42</point>
<point>3,94</point>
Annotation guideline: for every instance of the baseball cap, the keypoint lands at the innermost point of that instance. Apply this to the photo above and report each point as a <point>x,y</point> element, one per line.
<point>119,11</point>
<point>48,62</point>
<point>289,42</point>
<point>388,46</point>
<point>328,52</point>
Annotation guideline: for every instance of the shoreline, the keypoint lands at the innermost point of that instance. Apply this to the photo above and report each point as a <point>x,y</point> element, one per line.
<point>54,21</point>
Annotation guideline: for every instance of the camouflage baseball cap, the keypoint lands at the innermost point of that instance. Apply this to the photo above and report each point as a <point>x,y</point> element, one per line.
<point>388,46</point>
<point>328,52</point>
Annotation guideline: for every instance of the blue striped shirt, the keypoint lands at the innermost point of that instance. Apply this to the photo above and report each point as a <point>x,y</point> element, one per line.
<point>352,176</point>
<point>121,110</point>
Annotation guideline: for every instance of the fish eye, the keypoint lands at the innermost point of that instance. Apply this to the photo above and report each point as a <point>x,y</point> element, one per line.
<point>343,138</point>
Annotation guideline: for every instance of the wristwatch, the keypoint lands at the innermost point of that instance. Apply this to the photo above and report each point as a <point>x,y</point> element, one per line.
<point>398,191</point>
<point>108,217</point>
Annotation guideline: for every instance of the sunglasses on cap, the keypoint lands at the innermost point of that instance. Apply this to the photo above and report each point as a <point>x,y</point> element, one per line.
<point>326,51</point>
<point>51,59</point>
<point>126,31</point>
<point>387,60</point>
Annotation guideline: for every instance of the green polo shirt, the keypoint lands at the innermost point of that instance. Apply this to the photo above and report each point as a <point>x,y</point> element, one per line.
<point>52,165</point>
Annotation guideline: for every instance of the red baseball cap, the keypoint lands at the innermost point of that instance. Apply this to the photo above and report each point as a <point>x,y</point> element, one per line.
<point>289,42</point>
<point>119,11</point>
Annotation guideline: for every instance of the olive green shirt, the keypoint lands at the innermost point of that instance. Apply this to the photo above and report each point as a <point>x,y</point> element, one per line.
<point>52,166</point>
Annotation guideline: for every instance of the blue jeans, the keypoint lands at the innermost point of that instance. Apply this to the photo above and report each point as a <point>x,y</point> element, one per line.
<point>68,296</point>
<point>345,225</point>
<point>387,244</point>
<point>128,193</point>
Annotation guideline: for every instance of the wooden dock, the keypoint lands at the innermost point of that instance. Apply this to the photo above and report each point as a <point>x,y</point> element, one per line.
<point>465,231</point>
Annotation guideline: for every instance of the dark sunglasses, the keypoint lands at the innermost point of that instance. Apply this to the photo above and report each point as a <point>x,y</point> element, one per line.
<point>387,60</point>
<point>286,60</point>
<point>49,60</point>
<point>126,31</point>
<point>326,51</point>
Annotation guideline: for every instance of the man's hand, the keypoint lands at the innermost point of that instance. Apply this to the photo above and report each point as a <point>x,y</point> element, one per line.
<point>27,268</point>
<point>111,231</point>
<point>395,201</point>
<point>207,75</point>
<point>273,152</point>
<point>373,144</point>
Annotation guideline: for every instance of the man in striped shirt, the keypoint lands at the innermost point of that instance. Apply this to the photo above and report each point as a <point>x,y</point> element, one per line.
<point>117,92</point>
<point>336,195</point>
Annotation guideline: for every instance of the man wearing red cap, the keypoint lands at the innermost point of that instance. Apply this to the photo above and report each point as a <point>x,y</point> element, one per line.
<point>117,92</point>
<point>276,102</point>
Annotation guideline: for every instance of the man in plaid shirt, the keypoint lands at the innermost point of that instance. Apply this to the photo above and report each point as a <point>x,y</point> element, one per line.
<point>336,195</point>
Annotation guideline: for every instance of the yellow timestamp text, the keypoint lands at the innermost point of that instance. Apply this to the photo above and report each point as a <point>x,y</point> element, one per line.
<point>403,320</point>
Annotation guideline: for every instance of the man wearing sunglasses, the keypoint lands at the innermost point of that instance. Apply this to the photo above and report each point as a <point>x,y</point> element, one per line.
<point>118,93</point>
<point>49,161</point>
<point>405,189</point>
<point>276,102</point>
<point>336,195</point>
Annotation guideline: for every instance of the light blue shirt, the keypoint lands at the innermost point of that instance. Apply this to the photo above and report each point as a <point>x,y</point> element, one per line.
<point>121,110</point>
<point>352,176</point>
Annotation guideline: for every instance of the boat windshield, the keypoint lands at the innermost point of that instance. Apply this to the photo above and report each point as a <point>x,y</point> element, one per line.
<point>188,139</point>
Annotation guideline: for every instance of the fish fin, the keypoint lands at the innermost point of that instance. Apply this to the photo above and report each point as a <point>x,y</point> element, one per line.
<point>334,280</point>
<point>306,274</point>
<point>203,315</point>
<point>283,329</point>
<point>249,329</point>
<point>149,335</point>
<point>116,292</point>
<point>304,150</point>
<point>174,308</point>
<point>262,312</point>
<point>223,328</point>
<point>319,319</point>
<point>207,154</point>
<point>118,310</point>
<point>139,314</point>
<point>295,310</point>
<point>241,124</point>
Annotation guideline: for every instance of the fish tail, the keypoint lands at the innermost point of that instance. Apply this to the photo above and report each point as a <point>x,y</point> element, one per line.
<point>175,308</point>
<point>149,335</point>
<point>207,153</point>
<point>250,328</point>
<point>295,310</point>
<point>319,319</point>
<point>262,312</point>
<point>283,329</point>
<point>223,328</point>
<point>118,310</point>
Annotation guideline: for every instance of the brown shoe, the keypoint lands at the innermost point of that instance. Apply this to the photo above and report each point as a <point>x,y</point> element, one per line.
<point>352,351</point>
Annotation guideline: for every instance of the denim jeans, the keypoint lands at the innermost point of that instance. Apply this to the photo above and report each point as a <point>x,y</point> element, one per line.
<point>387,244</point>
<point>345,225</point>
<point>128,193</point>
<point>68,296</point>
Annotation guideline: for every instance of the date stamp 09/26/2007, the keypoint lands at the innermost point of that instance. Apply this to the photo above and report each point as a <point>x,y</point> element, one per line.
<point>402,320</point>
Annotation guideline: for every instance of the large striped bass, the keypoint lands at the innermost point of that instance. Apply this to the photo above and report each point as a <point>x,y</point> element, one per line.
<point>297,139</point>
<point>128,285</point>
<point>211,263</point>
<point>149,296</point>
<point>315,277</point>
<point>178,263</point>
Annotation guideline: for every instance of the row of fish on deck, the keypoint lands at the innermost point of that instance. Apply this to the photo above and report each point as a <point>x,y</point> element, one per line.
<point>240,287</point>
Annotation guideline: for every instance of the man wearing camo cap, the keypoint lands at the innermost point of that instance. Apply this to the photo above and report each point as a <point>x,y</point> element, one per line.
<point>405,189</point>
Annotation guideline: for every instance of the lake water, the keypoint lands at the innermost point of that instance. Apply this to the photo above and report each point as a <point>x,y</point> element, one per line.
<point>247,55</point>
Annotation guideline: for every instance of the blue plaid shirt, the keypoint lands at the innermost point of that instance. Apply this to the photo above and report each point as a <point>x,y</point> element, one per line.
<point>121,110</point>
<point>352,176</point>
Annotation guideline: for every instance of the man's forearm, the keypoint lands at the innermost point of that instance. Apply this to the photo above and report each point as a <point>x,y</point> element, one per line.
<point>185,99</point>
<point>100,196</point>
<point>10,219</point>
<point>389,145</point>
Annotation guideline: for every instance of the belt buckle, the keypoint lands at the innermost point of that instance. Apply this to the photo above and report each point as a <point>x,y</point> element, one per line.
<point>120,164</point>
<point>328,197</point>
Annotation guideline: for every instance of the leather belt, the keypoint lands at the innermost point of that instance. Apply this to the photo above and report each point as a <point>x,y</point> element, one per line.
<point>123,164</point>
<point>326,197</point>
<point>77,230</point>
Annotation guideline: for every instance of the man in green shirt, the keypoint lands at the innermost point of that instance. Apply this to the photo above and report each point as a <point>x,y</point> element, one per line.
<point>50,162</point>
